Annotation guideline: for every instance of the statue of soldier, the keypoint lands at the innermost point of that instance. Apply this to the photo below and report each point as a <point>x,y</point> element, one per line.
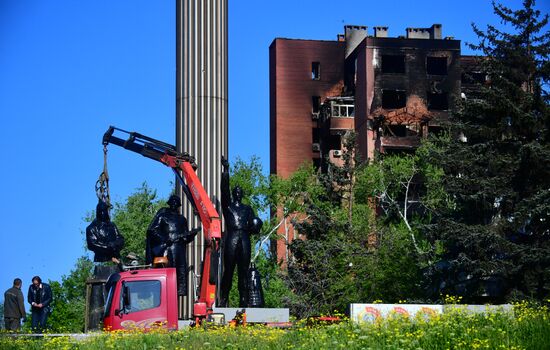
<point>240,221</point>
<point>168,236</point>
<point>102,236</point>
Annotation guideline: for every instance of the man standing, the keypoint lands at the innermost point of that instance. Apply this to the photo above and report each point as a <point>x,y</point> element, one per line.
<point>14,306</point>
<point>40,297</point>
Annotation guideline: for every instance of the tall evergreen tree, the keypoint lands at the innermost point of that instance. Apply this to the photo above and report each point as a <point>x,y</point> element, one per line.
<point>496,235</point>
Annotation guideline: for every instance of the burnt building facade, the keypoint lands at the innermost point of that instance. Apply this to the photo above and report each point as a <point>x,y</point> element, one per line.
<point>391,91</point>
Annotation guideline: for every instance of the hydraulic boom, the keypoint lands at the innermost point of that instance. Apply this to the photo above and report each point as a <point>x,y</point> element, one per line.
<point>183,164</point>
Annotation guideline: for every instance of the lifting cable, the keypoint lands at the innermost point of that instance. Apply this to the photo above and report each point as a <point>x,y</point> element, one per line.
<point>102,184</point>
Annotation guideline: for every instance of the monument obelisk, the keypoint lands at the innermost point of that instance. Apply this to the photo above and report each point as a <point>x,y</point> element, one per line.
<point>201,106</point>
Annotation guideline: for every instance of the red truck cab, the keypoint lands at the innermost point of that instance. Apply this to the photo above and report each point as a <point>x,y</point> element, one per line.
<point>141,299</point>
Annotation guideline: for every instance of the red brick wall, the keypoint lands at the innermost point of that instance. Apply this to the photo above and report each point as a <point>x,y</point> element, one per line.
<point>291,89</point>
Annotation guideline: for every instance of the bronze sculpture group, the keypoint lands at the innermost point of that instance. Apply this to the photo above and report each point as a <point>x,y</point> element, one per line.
<point>168,235</point>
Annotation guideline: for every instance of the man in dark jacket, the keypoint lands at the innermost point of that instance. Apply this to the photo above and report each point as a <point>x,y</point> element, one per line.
<point>14,306</point>
<point>40,298</point>
<point>102,236</point>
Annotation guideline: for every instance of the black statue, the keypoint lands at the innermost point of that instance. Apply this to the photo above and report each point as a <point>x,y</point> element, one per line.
<point>167,236</point>
<point>240,221</point>
<point>255,292</point>
<point>102,236</point>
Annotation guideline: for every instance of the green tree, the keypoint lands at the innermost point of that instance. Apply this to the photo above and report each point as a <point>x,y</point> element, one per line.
<point>495,235</point>
<point>327,269</point>
<point>250,177</point>
<point>362,228</point>
<point>134,216</point>
<point>1,315</point>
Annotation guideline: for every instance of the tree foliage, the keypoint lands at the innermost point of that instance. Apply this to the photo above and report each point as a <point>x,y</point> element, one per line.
<point>349,253</point>
<point>496,232</point>
<point>255,185</point>
<point>134,217</point>
<point>1,315</point>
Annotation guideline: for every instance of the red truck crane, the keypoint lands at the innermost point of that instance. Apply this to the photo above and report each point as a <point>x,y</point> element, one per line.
<point>147,298</point>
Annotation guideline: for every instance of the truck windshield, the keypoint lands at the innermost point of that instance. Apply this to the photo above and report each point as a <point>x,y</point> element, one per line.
<point>143,295</point>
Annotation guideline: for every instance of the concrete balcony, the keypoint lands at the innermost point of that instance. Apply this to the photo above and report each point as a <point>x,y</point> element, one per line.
<point>342,123</point>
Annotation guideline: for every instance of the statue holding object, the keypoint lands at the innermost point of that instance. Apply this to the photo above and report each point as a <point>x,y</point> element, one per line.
<point>168,236</point>
<point>240,221</point>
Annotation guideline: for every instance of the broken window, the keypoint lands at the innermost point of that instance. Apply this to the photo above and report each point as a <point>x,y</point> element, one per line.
<point>393,64</point>
<point>339,110</point>
<point>315,70</point>
<point>316,163</point>
<point>394,99</point>
<point>436,65</point>
<point>437,101</point>
<point>397,130</point>
<point>474,78</point>
<point>315,104</point>
<point>315,135</point>
<point>435,130</point>
<point>334,142</point>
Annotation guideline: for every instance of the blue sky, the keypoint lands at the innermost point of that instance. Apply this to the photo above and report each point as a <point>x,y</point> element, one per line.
<point>69,69</point>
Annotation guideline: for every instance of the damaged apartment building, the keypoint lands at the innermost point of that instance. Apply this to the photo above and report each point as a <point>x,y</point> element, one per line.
<point>392,91</point>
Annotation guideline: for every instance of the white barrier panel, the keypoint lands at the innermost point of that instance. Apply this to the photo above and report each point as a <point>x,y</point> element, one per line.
<point>370,312</point>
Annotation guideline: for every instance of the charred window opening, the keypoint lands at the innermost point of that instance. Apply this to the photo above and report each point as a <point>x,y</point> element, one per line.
<point>438,101</point>
<point>394,99</point>
<point>396,130</point>
<point>316,163</point>
<point>335,142</point>
<point>435,130</point>
<point>315,135</point>
<point>402,130</point>
<point>393,64</point>
<point>436,65</point>
<point>315,104</point>
<point>474,78</point>
<point>315,70</point>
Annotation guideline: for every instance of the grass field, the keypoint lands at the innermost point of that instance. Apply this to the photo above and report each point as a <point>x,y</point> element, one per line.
<point>527,328</point>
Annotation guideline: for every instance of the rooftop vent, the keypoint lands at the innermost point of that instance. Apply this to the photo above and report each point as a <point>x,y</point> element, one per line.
<point>380,32</point>
<point>434,32</point>
<point>354,36</point>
